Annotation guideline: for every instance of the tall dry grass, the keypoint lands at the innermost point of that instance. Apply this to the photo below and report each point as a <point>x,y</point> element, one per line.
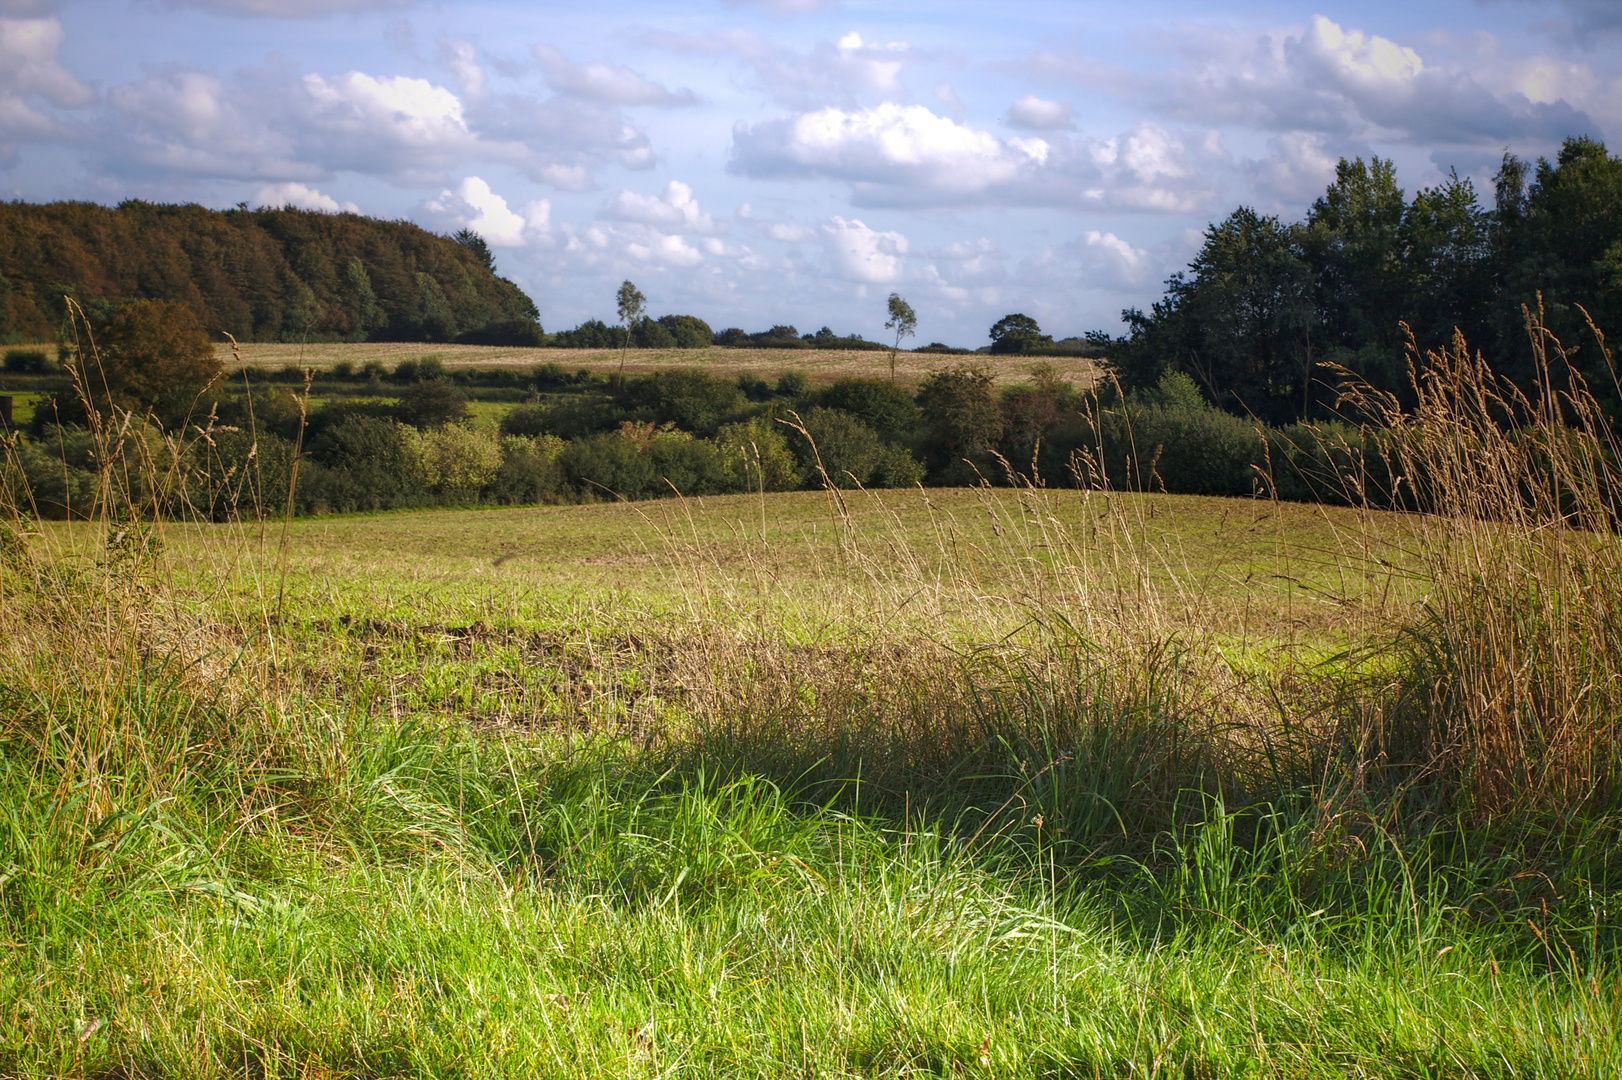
<point>1512,688</point>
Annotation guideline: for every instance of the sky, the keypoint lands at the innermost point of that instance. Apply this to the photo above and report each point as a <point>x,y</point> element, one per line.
<point>757,162</point>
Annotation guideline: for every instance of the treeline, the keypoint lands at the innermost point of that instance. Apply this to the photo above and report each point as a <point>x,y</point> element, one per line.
<point>372,439</point>
<point>260,275</point>
<point>1269,311</point>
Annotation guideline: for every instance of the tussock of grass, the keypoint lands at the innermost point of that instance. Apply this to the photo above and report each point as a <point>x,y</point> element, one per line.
<point>861,834</point>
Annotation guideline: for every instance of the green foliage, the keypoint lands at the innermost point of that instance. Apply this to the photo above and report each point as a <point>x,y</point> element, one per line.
<point>758,454</point>
<point>27,361</point>
<point>878,403</point>
<point>432,404</point>
<point>1268,310</point>
<point>529,471</point>
<point>960,415</point>
<point>456,461</point>
<point>791,384</point>
<point>848,453</point>
<point>687,331</point>
<point>691,400</point>
<point>1017,334</point>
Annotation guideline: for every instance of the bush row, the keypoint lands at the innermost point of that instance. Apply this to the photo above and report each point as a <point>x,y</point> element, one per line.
<point>693,433</point>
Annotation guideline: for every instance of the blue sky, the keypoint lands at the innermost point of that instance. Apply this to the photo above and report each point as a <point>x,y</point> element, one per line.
<point>764,161</point>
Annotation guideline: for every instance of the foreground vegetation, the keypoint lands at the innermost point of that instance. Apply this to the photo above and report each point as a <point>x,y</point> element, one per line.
<point>989,783</point>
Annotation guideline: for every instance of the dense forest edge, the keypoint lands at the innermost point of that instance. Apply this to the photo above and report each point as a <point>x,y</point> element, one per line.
<point>1233,384</point>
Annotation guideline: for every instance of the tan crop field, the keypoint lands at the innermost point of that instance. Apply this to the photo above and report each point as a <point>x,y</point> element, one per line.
<point>817,365</point>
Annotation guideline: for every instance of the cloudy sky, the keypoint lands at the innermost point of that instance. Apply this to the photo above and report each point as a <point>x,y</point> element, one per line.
<point>764,161</point>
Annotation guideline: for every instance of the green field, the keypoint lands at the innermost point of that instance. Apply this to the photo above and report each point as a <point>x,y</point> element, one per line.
<point>937,782</point>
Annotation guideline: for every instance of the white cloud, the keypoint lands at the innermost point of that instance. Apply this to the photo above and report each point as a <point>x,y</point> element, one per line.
<point>891,143</point>
<point>863,254</point>
<point>846,71</point>
<point>947,96</point>
<point>605,82</point>
<point>300,196</point>
<point>1116,262</point>
<point>289,9</point>
<point>784,8</point>
<point>1332,80</point>
<point>1037,114</point>
<point>30,71</point>
<point>665,250</point>
<point>674,211</point>
<point>789,233</point>
<point>1299,167</point>
<point>472,205</point>
<point>906,155</point>
<point>274,125</point>
<point>396,111</point>
<point>461,60</point>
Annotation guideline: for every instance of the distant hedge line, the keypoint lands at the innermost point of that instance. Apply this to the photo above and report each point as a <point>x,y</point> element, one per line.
<point>584,437</point>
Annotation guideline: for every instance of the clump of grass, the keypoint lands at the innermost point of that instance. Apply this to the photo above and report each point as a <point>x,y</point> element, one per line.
<point>1513,684</point>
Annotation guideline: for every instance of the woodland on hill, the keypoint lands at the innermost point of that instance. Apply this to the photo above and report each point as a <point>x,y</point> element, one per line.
<point>259,275</point>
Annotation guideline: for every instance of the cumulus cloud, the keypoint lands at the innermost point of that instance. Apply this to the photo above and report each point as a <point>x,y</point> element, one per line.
<point>862,254</point>
<point>276,125</point>
<point>1037,114</point>
<point>605,82</point>
<point>473,205</point>
<point>847,71</point>
<point>1115,263</point>
<point>300,196</point>
<point>1332,80</point>
<point>31,76</point>
<point>1298,167</point>
<point>906,155</point>
<point>461,60</point>
<point>784,8</point>
<point>675,210</point>
<point>289,9</point>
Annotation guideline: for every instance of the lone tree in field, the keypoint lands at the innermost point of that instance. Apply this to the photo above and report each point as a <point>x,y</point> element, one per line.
<point>631,305</point>
<point>903,320</point>
<point>1017,334</point>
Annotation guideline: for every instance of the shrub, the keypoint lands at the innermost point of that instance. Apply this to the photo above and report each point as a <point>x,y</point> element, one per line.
<point>758,456</point>
<point>455,461</point>
<point>878,403</point>
<point>367,464</point>
<point>791,384</point>
<point>691,400</point>
<point>960,416</point>
<point>27,361</point>
<point>529,471</point>
<point>850,453</point>
<point>648,334</point>
<point>432,404</point>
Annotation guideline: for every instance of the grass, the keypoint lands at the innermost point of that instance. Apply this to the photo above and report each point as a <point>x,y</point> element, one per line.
<point>979,783</point>
<point>817,365</point>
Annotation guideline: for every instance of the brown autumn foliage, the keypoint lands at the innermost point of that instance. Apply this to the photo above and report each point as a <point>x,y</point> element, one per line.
<point>260,275</point>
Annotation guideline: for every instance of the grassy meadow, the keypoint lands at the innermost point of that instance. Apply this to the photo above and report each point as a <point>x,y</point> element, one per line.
<point>992,782</point>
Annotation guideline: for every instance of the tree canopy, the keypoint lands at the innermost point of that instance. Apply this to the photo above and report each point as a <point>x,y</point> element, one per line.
<point>260,275</point>
<point>1268,311</point>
